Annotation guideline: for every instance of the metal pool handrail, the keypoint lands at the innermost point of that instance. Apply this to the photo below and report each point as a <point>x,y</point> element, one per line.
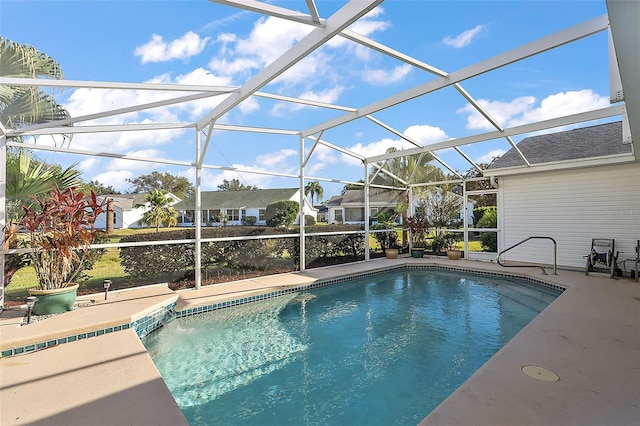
<point>544,272</point>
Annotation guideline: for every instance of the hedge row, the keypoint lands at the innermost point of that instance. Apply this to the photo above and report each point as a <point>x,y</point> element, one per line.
<point>263,254</point>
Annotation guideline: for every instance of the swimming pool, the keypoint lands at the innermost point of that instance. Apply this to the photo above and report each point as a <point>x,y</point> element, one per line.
<point>384,349</point>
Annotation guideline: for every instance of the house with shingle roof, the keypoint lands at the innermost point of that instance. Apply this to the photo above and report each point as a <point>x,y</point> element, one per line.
<point>127,209</point>
<point>581,184</point>
<point>349,207</point>
<point>570,147</point>
<point>230,207</point>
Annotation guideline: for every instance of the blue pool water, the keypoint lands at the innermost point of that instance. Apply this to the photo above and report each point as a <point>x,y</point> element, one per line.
<point>380,350</point>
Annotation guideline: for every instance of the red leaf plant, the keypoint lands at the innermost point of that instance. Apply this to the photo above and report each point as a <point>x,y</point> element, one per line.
<point>61,229</point>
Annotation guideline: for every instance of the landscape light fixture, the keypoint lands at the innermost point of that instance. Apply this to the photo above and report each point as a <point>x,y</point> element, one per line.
<point>31,300</point>
<point>106,284</point>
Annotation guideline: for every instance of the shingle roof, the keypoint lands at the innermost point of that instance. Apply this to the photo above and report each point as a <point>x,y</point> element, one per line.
<point>586,142</point>
<point>126,201</point>
<point>237,199</point>
<point>376,195</point>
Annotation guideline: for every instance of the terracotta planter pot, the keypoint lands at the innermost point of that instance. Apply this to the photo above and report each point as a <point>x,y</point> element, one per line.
<point>391,253</point>
<point>54,301</point>
<point>454,254</point>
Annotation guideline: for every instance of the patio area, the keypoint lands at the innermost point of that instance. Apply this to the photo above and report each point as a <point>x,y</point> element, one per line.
<point>588,337</point>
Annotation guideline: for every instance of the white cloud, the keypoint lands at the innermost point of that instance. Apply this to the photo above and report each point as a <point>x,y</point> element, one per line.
<point>501,111</point>
<point>464,38</point>
<point>523,110</point>
<point>89,165</point>
<point>421,133</point>
<point>489,156</point>
<point>425,134</point>
<point>276,161</point>
<point>114,172</point>
<point>115,178</point>
<point>321,157</point>
<point>85,101</point>
<point>325,154</point>
<point>270,38</point>
<point>329,96</point>
<point>380,76</point>
<point>233,66</point>
<point>561,104</point>
<point>121,164</point>
<point>365,26</point>
<point>157,50</point>
<point>248,106</point>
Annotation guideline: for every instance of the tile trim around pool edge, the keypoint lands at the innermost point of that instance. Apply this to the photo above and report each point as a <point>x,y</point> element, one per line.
<point>323,283</point>
<point>143,326</point>
<point>161,316</point>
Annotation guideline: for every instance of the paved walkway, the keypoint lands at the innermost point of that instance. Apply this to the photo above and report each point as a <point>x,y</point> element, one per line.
<point>590,337</point>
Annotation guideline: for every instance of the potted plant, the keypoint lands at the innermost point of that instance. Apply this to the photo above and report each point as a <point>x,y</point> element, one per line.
<point>388,240</point>
<point>453,252</point>
<point>61,228</point>
<point>418,226</point>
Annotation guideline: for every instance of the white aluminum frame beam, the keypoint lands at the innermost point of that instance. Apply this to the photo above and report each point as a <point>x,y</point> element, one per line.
<point>271,10</point>
<point>97,154</point>
<point>313,11</point>
<point>344,17</point>
<point>597,114</point>
<point>70,130</point>
<point>88,84</point>
<point>625,31</point>
<point>408,139</point>
<point>114,112</point>
<point>560,38</point>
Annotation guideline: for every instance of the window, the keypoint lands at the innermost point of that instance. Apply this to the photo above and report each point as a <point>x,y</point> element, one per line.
<point>234,215</point>
<point>354,214</point>
<point>261,216</point>
<point>373,213</point>
<point>214,215</point>
<point>188,216</point>
<point>338,216</point>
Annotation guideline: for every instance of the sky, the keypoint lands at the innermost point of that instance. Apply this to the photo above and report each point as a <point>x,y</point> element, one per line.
<point>200,42</point>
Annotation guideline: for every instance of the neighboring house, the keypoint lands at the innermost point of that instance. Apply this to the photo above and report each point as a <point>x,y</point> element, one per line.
<point>323,213</point>
<point>128,209</point>
<point>236,205</point>
<point>581,184</point>
<point>470,204</point>
<point>349,207</point>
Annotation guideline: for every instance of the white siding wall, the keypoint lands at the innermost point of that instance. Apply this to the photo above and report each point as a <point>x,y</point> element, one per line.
<point>572,206</point>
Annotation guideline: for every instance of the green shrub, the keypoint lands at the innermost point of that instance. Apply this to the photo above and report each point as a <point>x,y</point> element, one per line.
<point>281,213</point>
<point>489,217</point>
<point>173,260</point>
<point>489,241</point>
<point>249,220</point>
<point>385,239</point>
<point>309,220</point>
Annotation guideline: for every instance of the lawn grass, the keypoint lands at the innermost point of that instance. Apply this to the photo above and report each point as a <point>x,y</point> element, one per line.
<point>109,267</point>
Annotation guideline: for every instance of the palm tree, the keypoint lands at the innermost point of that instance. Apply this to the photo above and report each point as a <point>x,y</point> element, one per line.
<point>411,169</point>
<point>313,189</point>
<point>160,212</point>
<point>24,105</point>
<point>21,106</point>
<point>28,177</point>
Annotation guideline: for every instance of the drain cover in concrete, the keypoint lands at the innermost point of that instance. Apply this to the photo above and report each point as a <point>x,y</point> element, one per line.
<point>540,373</point>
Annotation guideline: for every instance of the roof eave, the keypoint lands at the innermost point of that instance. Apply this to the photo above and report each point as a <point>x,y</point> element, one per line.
<point>562,165</point>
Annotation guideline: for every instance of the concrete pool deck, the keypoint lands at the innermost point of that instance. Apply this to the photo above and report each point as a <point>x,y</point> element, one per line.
<point>589,336</point>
